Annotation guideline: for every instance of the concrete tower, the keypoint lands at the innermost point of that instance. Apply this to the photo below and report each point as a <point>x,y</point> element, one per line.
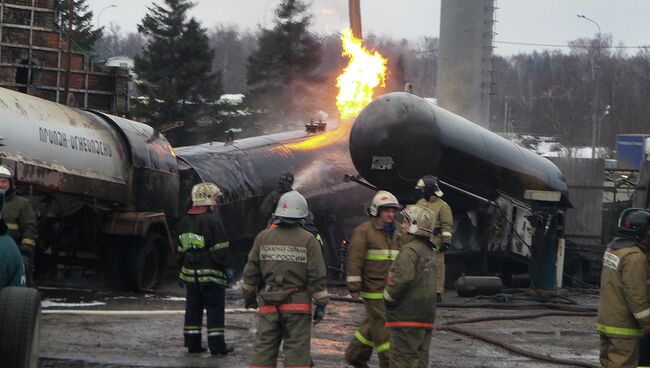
<point>465,63</point>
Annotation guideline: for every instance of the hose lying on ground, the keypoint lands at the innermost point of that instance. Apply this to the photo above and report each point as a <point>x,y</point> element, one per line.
<point>564,311</point>
<point>537,305</point>
<point>517,350</point>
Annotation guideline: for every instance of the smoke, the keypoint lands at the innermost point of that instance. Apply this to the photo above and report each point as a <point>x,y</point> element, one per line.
<point>315,172</point>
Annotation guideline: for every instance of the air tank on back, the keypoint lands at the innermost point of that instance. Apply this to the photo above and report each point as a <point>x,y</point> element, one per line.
<point>399,137</point>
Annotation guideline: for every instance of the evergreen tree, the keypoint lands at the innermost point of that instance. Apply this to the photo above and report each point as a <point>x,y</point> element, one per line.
<point>285,59</point>
<point>174,69</point>
<point>83,32</point>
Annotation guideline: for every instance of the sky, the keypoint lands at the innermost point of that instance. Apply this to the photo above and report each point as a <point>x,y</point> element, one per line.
<point>526,21</point>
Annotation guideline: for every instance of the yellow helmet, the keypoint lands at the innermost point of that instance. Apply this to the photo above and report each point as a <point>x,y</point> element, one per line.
<point>205,194</point>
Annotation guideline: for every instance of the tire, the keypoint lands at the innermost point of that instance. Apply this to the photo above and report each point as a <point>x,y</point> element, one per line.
<point>20,310</point>
<point>147,258</point>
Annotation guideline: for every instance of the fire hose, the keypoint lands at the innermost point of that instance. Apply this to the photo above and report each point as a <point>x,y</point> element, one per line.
<point>559,310</point>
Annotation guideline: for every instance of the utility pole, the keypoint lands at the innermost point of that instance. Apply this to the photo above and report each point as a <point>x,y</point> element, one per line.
<point>66,93</point>
<point>355,17</point>
<point>595,66</point>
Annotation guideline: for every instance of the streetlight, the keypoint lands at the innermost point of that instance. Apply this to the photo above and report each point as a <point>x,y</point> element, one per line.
<point>99,15</point>
<point>594,73</point>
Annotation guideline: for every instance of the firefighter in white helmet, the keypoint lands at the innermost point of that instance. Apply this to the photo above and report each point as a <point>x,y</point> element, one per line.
<point>21,220</point>
<point>370,253</point>
<point>288,260</point>
<point>203,257</point>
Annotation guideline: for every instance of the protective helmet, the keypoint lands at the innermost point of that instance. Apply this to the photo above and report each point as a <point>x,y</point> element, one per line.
<point>633,224</point>
<point>291,206</point>
<point>5,172</point>
<point>421,220</point>
<point>382,199</point>
<point>205,194</point>
<point>428,184</point>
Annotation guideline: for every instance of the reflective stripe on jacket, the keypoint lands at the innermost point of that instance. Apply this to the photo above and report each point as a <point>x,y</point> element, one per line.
<point>623,310</point>
<point>203,249</point>
<point>369,256</point>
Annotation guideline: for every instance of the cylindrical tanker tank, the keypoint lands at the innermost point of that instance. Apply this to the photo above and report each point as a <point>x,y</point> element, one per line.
<point>85,153</point>
<point>400,137</point>
<point>104,188</point>
<point>248,169</point>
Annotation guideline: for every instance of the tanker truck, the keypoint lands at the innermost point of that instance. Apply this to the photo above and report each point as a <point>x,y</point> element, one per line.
<point>104,188</point>
<point>109,191</point>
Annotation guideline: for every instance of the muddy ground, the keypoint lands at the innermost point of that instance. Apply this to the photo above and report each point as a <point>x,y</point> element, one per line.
<point>151,335</point>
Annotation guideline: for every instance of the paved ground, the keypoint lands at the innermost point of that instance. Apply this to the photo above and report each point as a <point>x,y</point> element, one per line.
<point>153,338</point>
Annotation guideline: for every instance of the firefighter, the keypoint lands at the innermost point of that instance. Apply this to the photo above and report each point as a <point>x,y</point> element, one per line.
<point>12,268</point>
<point>286,259</point>
<point>432,199</point>
<point>204,261</point>
<point>270,202</point>
<point>410,293</point>
<point>624,312</point>
<point>21,220</point>
<point>373,247</point>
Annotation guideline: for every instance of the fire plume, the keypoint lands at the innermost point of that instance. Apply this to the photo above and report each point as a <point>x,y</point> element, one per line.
<point>365,71</point>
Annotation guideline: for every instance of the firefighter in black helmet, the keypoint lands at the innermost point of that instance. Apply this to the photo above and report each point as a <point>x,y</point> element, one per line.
<point>624,311</point>
<point>432,199</point>
<point>285,185</point>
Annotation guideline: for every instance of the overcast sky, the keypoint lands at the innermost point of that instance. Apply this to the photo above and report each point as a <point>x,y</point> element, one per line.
<point>527,21</point>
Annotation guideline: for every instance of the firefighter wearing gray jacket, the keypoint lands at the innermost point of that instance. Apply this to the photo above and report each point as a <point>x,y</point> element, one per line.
<point>624,312</point>
<point>410,294</point>
<point>286,259</point>
<point>432,199</point>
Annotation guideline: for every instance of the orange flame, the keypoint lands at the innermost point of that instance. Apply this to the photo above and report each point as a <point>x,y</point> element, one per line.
<point>364,72</point>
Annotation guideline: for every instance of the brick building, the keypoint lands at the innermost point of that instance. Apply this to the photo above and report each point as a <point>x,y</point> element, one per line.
<point>33,60</point>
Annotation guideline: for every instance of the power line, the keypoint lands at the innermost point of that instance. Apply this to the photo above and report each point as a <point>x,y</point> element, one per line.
<point>571,46</point>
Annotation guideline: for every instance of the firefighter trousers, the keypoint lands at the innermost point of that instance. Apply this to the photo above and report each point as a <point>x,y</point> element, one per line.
<point>440,272</point>
<point>644,351</point>
<point>619,352</point>
<point>409,347</point>
<point>212,298</point>
<point>293,330</point>
<point>371,334</point>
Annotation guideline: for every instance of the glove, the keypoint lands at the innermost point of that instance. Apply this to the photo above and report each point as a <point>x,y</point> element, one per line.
<point>250,301</point>
<point>319,313</point>
<point>229,275</point>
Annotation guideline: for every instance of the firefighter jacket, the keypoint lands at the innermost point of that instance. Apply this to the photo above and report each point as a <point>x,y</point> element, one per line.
<point>623,309</point>
<point>444,219</point>
<point>410,293</point>
<point>289,262</point>
<point>203,248</point>
<point>12,269</point>
<point>369,256</point>
<point>21,220</point>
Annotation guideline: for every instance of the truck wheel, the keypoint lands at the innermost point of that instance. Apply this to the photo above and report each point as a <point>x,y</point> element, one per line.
<point>20,310</point>
<point>148,257</point>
